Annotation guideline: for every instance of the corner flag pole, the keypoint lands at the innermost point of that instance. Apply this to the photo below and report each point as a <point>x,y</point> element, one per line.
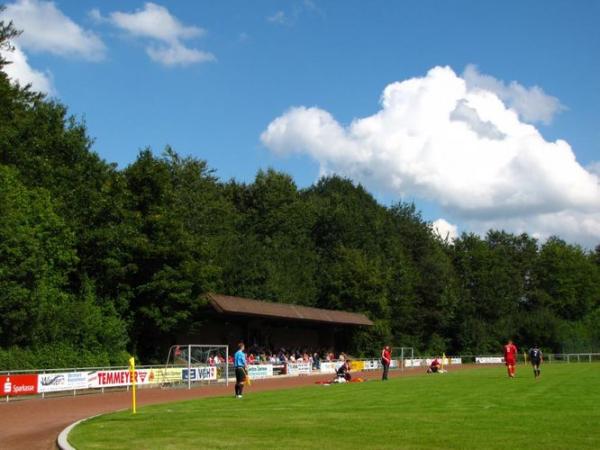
<point>133,380</point>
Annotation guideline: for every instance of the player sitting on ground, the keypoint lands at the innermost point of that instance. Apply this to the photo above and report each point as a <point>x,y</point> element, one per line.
<point>342,370</point>
<point>434,367</point>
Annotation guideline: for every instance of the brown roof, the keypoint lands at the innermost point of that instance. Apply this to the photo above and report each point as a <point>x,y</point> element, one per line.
<point>244,306</point>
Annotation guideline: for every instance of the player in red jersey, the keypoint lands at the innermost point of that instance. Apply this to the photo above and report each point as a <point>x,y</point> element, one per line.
<point>386,359</point>
<point>510,357</point>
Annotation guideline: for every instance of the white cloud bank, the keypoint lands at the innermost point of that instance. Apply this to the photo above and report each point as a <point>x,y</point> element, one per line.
<point>46,29</point>
<point>462,144</point>
<point>278,17</point>
<point>533,104</point>
<point>20,71</point>
<point>165,32</point>
<point>445,229</point>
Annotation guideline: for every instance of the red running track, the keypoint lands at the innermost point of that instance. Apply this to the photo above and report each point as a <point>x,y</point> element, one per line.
<point>34,424</point>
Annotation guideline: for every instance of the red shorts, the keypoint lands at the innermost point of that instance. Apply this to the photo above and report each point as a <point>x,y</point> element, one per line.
<point>510,362</point>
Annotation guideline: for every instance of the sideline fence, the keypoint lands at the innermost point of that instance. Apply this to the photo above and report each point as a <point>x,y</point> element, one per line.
<point>79,380</point>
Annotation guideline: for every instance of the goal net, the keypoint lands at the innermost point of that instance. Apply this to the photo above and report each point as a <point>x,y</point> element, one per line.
<point>405,355</point>
<point>193,363</point>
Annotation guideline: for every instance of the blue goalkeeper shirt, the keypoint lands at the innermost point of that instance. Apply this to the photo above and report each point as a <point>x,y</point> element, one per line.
<point>239,360</point>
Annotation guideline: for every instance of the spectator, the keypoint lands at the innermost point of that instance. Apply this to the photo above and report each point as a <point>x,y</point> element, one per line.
<point>316,362</point>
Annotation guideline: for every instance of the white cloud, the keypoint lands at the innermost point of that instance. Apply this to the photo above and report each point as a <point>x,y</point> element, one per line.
<point>47,29</point>
<point>594,167</point>
<point>165,32</point>
<point>438,138</point>
<point>278,17</point>
<point>95,15</point>
<point>445,229</point>
<point>533,104</point>
<point>21,72</point>
<point>154,21</point>
<point>570,224</point>
<point>177,54</point>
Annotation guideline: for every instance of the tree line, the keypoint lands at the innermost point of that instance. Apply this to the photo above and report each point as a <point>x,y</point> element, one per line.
<point>97,262</point>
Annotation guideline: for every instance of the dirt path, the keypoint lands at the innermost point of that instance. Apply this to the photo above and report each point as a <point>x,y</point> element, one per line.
<point>35,424</point>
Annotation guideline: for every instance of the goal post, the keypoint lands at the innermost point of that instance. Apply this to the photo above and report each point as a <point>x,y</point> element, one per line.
<point>405,353</point>
<point>196,363</point>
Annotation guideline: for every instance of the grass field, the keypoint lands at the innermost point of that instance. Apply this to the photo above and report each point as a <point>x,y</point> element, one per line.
<point>470,409</point>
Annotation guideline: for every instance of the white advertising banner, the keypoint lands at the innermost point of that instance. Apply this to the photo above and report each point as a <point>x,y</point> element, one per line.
<point>63,381</point>
<point>327,367</point>
<point>394,363</point>
<point>200,373</point>
<point>413,362</point>
<point>372,364</point>
<point>299,368</point>
<point>111,378</point>
<point>428,361</point>
<point>260,371</point>
<point>489,360</point>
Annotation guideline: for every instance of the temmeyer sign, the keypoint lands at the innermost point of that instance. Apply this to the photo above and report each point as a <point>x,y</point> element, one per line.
<point>200,374</point>
<point>64,381</point>
<point>111,378</point>
<point>260,371</point>
<point>298,368</point>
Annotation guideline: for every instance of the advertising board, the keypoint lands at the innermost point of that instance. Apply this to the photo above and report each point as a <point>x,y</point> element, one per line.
<point>13,385</point>
<point>489,360</point>
<point>168,375</point>
<point>208,373</point>
<point>62,381</point>
<point>260,371</point>
<point>301,368</point>
<point>372,364</point>
<point>112,378</point>
<point>327,367</point>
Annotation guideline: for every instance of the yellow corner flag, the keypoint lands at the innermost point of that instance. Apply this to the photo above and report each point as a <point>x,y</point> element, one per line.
<point>132,378</point>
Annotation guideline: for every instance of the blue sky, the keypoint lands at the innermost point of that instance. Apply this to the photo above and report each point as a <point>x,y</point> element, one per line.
<point>256,60</point>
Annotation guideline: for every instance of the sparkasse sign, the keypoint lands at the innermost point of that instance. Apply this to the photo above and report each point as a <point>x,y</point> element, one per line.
<point>13,385</point>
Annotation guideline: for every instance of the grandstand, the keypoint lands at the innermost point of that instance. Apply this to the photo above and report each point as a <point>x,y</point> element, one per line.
<point>271,325</point>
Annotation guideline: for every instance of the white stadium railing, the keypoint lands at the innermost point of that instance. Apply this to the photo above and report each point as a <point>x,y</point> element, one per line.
<point>72,381</point>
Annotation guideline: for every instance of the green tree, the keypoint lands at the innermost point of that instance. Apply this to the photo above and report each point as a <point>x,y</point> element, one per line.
<point>567,280</point>
<point>275,257</point>
<point>37,256</point>
<point>183,222</point>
